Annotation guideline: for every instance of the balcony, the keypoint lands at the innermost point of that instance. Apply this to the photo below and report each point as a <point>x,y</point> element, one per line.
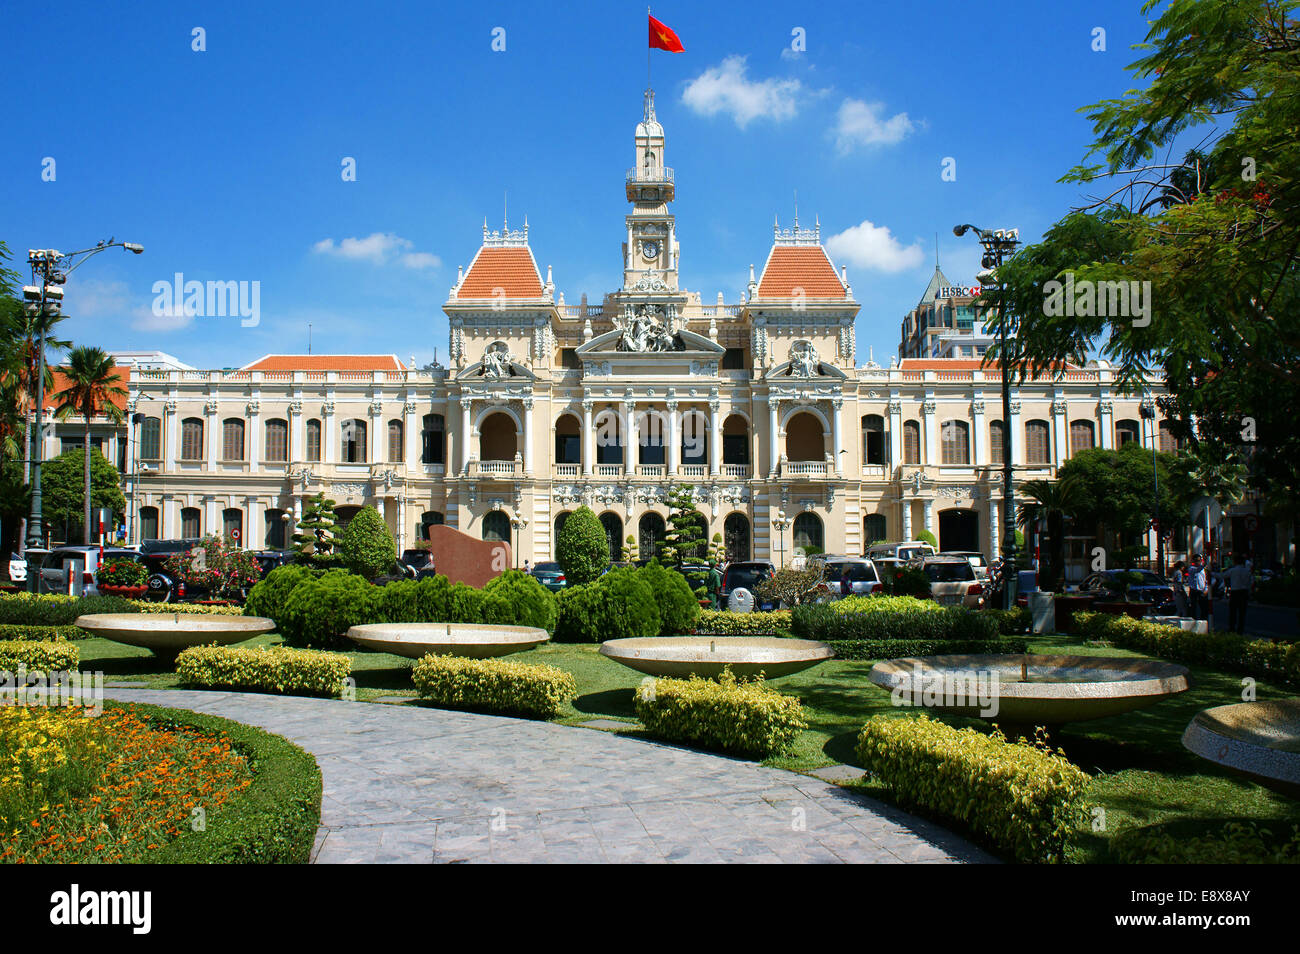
<point>657,180</point>
<point>652,174</point>
<point>495,469</point>
<point>692,470</point>
<point>608,470</point>
<point>736,471</point>
<point>651,470</point>
<point>568,470</point>
<point>806,468</point>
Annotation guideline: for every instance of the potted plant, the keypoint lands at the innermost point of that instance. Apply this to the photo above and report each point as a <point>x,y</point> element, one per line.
<point>122,577</point>
<point>1125,579</point>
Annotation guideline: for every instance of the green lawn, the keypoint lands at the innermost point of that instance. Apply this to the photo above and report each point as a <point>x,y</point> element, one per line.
<point>1142,774</point>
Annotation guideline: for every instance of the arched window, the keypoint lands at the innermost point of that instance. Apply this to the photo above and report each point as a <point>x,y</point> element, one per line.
<point>560,520</point>
<point>873,439</point>
<point>497,440</point>
<point>151,439</point>
<point>232,439</point>
<point>997,442</point>
<point>1127,430</point>
<point>735,534</point>
<point>354,441</point>
<point>496,526</point>
<point>1038,443</point>
<point>1081,436</point>
<point>651,537</point>
<point>276,450</point>
<point>433,440</point>
<point>232,525</point>
<point>807,533</point>
<point>613,535</point>
<point>568,440</point>
<point>148,523</point>
<point>396,442</point>
<point>735,441</point>
<point>695,438</point>
<point>313,440</point>
<point>192,439</point>
<point>190,523</point>
<point>874,528</point>
<point>652,436</point>
<point>609,437</point>
<point>277,530</point>
<point>804,438</point>
<point>955,439</point>
<point>911,442</point>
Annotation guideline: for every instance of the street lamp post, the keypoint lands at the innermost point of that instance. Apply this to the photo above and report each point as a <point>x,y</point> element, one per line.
<point>50,271</point>
<point>517,522</point>
<point>998,245</point>
<point>780,523</point>
<point>1148,411</point>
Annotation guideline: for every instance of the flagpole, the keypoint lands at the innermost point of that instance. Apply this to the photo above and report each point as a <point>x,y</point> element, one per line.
<point>647,50</point>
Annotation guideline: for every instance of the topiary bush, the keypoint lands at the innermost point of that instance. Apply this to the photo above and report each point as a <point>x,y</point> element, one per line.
<point>366,545</point>
<point>531,603</point>
<point>580,614</point>
<point>619,605</point>
<point>745,718</point>
<point>722,623</point>
<point>35,656</point>
<point>51,609</point>
<point>268,597</point>
<point>890,618</point>
<point>1024,799</point>
<point>319,612</point>
<point>582,548</point>
<point>494,685</point>
<point>678,608</point>
<point>291,672</point>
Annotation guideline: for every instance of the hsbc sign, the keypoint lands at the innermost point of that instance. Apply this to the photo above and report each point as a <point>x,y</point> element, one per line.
<point>958,291</point>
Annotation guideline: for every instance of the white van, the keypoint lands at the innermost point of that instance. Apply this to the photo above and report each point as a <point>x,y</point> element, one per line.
<point>907,551</point>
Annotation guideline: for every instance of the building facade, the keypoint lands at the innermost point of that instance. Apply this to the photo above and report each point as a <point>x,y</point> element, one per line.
<point>544,406</point>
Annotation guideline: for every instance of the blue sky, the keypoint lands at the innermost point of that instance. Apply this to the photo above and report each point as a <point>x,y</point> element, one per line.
<point>225,164</point>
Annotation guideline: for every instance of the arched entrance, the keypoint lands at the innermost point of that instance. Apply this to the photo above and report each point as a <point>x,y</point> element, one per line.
<point>496,526</point>
<point>613,535</point>
<point>959,530</point>
<point>805,439</point>
<point>497,438</point>
<point>651,537</point>
<point>735,534</point>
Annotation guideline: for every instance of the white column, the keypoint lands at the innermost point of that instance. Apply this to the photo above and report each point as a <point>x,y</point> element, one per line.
<point>1061,425</point>
<point>674,440</point>
<point>528,435</point>
<point>895,431</point>
<point>172,437</point>
<point>297,432</point>
<point>995,506</point>
<point>329,439</point>
<point>837,406</point>
<point>254,436</point>
<point>979,446</point>
<point>588,439</point>
<point>927,508</point>
<point>377,452</point>
<point>464,436</point>
<point>254,524</point>
<point>715,439</point>
<point>773,438</point>
<point>1106,421</point>
<point>412,435</point>
<point>211,435</point>
<point>630,438</point>
<point>907,518</point>
<point>211,516</point>
<point>1015,433</point>
<point>169,529</point>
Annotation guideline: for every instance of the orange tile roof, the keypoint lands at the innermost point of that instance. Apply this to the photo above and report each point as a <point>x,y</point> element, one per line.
<point>510,268</point>
<point>61,382</point>
<point>954,364</point>
<point>326,362</point>
<point>799,266</point>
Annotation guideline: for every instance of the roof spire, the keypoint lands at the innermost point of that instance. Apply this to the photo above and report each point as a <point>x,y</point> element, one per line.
<point>648,114</point>
<point>796,209</point>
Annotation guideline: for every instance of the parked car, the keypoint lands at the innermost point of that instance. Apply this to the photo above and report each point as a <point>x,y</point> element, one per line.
<point>864,579</point>
<point>908,550</point>
<point>746,575</point>
<point>416,559</point>
<point>17,568</point>
<point>1153,589</point>
<point>976,560</point>
<point>550,575</point>
<point>268,560</point>
<point>953,581</point>
<point>61,563</point>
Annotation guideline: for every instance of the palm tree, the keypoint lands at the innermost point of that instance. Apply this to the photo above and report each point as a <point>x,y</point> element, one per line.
<point>1052,501</point>
<point>92,385</point>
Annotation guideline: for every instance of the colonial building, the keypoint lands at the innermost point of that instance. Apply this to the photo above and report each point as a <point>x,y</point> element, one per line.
<point>757,405</point>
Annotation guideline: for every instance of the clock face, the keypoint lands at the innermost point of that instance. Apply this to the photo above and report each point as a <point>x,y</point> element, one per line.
<point>650,250</point>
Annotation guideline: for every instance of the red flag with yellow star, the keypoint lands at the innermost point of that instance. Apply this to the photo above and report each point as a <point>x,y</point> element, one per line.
<point>662,38</point>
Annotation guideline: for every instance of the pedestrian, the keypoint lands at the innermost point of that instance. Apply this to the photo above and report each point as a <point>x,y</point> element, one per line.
<point>526,570</point>
<point>845,586</point>
<point>1179,581</point>
<point>1199,586</point>
<point>1238,580</point>
<point>715,586</point>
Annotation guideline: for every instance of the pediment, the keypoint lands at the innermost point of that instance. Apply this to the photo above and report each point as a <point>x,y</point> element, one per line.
<point>824,372</point>
<point>691,345</point>
<point>511,371</point>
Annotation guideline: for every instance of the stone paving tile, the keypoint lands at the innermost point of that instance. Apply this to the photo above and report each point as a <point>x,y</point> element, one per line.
<point>413,784</point>
<point>839,773</point>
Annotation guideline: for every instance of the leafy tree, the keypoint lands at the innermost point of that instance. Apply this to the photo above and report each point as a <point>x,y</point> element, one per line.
<point>581,548</point>
<point>92,388</point>
<point>314,539</point>
<point>366,545</point>
<point>63,488</point>
<point>1217,235</point>
<point>925,536</point>
<point>687,538</point>
<point>791,587</point>
<point>1115,491</point>
<point>15,504</point>
<point>1053,502</point>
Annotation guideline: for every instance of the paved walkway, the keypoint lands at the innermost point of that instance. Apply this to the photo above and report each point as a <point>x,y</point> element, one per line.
<point>413,784</point>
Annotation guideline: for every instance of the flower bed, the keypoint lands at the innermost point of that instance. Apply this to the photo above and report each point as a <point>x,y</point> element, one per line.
<point>494,685</point>
<point>291,672</point>
<point>745,718</point>
<point>144,784</point>
<point>1023,799</point>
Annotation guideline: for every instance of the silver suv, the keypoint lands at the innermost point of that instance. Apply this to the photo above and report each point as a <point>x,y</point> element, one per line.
<point>72,569</point>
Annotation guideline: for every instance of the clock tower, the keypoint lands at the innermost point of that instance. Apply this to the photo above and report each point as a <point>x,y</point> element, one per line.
<point>650,250</point>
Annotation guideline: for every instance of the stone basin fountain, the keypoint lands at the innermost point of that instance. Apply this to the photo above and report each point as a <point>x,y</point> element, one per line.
<point>474,640</point>
<point>1022,691</point>
<point>1260,740</point>
<point>707,656</point>
<point>167,634</point>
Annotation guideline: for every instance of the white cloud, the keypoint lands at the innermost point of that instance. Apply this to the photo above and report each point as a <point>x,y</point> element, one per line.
<point>873,247</point>
<point>94,298</point>
<point>726,89</point>
<point>862,124</point>
<point>378,248</point>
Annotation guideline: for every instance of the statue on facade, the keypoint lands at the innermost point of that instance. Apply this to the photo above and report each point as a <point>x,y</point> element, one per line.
<point>804,362</point>
<point>496,362</point>
<point>643,330</point>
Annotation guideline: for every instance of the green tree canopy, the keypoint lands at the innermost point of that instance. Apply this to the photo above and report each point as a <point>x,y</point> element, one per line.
<point>62,489</point>
<point>366,544</point>
<point>582,548</point>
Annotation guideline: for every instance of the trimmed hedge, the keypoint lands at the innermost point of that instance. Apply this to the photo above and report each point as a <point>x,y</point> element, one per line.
<point>319,611</point>
<point>531,604</point>
<point>889,617</point>
<point>290,672</point>
<point>1221,650</point>
<point>185,609</point>
<point>678,608</point>
<point>494,685</point>
<point>744,718</point>
<point>897,648</point>
<point>273,821</point>
<point>1237,844</point>
<point>58,656</point>
<point>621,604</point>
<point>1024,799</point>
<point>269,594</point>
<point>721,623</point>
<point>54,609</point>
<point>53,634</point>
<point>1011,622</point>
